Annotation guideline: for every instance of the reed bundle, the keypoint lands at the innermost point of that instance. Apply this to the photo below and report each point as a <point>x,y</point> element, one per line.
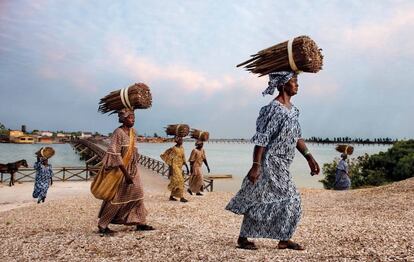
<point>199,135</point>
<point>137,96</point>
<point>46,152</point>
<point>306,56</point>
<point>345,149</point>
<point>181,130</point>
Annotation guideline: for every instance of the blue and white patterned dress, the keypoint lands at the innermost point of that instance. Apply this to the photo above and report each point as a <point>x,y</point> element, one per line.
<point>272,206</point>
<point>342,180</point>
<point>43,175</point>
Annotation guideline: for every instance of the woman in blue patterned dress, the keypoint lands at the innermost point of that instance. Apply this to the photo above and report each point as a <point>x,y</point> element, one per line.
<point>43,174</point>
<point>342,180</point>
<point>268,198</point>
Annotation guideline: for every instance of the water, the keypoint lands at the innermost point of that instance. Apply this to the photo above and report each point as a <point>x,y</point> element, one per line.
<point>64,154</point>
<point>235,159</point>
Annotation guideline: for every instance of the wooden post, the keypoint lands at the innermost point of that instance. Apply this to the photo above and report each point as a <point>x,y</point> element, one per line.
<point>87,171</point>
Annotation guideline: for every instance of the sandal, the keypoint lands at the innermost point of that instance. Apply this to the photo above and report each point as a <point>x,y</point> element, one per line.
<point>243,243</point>
<point>172,198</point>
<point>189,192</point>
<point>290,245</point>
<point>199,194</point>
<point>144,228</point>
<point>105,231</point>
<point>183,200</point>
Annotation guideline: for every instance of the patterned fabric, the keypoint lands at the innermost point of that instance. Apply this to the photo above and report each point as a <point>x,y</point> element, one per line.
<point>342,180</point>
<point>124,113</point>
<point>276,80</point>
<point>272,206</point>
<point>196,178</point>
<point>42,180</point>
<point>127,207</point>
<point>174,157</point>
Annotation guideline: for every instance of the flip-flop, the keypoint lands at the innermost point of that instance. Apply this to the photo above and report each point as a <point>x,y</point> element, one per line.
<point>172,199</point>
<point>144,228</point>
<point>248,245</point>
<point>290,245</point>
<point>105,231</point>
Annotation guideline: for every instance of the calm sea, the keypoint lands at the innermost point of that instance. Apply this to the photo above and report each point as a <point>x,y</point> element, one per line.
<point>236,159</point>
<point>223,158</point>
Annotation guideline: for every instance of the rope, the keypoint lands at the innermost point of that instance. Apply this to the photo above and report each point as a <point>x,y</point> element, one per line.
<point>290,55</point>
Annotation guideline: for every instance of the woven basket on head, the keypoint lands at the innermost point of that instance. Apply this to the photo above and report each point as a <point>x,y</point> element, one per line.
<point>298,54</point>
<point>345,149</point>
<point>199,135</point>
<point>137,96</point>
<point>46,152</point>
<point>181,130</point>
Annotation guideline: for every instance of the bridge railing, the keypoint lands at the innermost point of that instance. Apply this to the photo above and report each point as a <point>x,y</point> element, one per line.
<point>155,165</point>
<point>162,169</point>
<point>60,174</point>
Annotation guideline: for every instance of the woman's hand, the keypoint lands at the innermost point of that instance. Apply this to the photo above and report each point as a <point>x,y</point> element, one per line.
<point>313,165</point>
<point>128,179</point>
<point>254,173</point>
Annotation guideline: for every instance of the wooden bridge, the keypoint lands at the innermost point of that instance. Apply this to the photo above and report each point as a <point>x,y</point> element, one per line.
<point>93,152</point>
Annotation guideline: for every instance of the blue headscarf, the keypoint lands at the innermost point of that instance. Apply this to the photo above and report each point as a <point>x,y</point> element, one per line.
<point>276,80</point>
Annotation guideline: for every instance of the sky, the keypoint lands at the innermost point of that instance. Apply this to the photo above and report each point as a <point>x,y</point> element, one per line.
<point>58,58</point>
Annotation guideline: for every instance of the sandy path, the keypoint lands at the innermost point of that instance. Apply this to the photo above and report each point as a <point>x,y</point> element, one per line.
<point>375,224</point>
<point>20,195</point>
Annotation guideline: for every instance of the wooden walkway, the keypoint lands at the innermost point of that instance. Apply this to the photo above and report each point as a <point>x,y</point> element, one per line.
<point>94,151</point>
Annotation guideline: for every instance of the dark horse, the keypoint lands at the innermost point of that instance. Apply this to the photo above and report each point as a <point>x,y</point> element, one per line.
<point>12,168</point>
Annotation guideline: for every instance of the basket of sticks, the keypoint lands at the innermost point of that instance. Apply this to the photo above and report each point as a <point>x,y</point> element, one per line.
<point>46,152</point>
<point>345,149</point>
<point>199,135</point>
<point>298,54</point>
<point>136,96</point>
<point>181,130</point>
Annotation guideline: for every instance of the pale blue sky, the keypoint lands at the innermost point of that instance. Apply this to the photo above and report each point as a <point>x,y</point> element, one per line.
<point>57,58</point>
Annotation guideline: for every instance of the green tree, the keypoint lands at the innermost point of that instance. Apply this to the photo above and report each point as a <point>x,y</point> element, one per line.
<point>396,164</point>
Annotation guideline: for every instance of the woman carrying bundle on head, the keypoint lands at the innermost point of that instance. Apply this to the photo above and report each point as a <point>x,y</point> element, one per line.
<point>127,205</point>
<point>174,157</point>
<point>342,180</point>
<point>44,173</point>
<point>268,198</point>
<point>197,158</point>
<point>118,183</point>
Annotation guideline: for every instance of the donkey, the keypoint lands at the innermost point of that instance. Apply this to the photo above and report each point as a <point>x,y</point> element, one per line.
<point>12,168</point>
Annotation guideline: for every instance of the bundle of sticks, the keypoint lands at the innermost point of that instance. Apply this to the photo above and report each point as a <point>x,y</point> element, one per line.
<point>136,96</point>
<point>181,130</point>
<point>46,152</point>
<point>299,54</point>
<point>199,135</point>
<point>345,149</point>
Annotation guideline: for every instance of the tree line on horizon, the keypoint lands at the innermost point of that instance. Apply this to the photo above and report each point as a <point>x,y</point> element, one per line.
<point>384,140</point>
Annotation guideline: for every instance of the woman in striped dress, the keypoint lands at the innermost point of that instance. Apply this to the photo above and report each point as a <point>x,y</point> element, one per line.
<point>127,207</point>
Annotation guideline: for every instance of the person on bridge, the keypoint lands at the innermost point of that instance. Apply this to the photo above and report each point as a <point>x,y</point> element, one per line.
<point>127,207</point>
<point>44,174</point>
<point>174,157</point>
<point>268,198</point>
<point>197,157</point>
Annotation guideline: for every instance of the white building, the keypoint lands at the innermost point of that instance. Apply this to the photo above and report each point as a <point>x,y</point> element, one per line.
<point>46,133</point>
<point>86,134</point>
